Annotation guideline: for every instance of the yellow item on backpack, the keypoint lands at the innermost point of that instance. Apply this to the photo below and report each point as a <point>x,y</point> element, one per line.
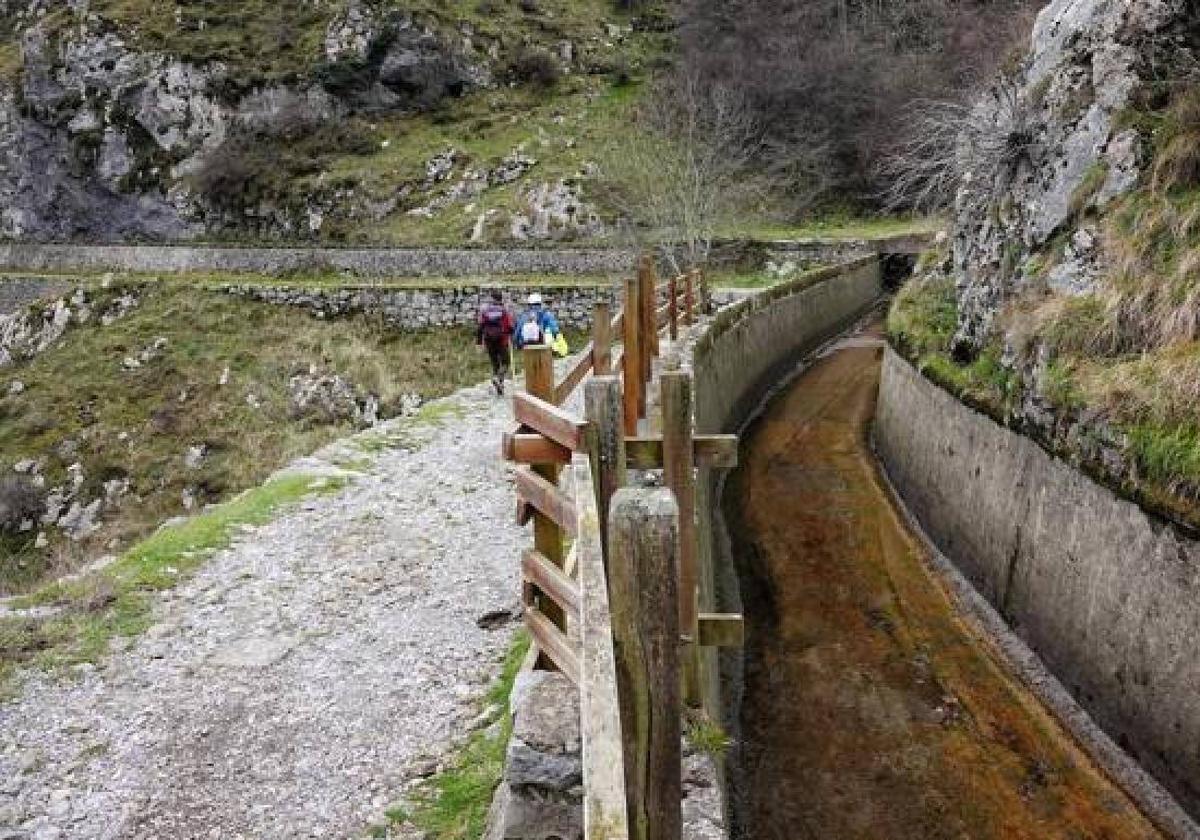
<point>560,346</point>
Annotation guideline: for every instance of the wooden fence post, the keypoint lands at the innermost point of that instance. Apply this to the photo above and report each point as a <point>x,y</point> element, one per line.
<point>602,401</point>
<point>673,308</point>
<point>689,298</point>
<point>633,355</point>
<point>643,535</point>
<point>679,475</point>
<point>601,340</point>
<point>649,321</point>
<point>547,536</point>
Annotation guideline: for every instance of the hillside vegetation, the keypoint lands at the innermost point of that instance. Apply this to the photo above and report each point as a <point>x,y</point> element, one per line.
<point>188,398</point>
<point>364,120</point>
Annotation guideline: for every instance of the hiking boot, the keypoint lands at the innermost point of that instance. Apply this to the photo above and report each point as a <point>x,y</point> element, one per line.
<point>498,384</point>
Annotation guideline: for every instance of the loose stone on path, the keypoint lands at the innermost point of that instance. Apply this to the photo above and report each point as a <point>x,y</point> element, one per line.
<point>305,675</point>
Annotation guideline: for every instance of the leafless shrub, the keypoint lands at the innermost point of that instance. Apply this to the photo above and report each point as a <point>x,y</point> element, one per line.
<point>951,144</point>
<point>680,179</point>
<point>534,67</point>
<point>831,82</point>
<point>20,502</point>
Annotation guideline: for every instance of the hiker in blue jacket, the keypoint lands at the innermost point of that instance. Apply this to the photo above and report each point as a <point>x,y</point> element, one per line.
<point>537,324</point>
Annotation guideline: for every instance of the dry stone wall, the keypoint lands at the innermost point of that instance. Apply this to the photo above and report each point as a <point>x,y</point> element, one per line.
<point>430,307</point>
<point>365,262</point>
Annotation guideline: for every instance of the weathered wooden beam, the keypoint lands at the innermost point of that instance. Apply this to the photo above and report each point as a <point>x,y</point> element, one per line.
<point>673,310</point>
<point>548,419</point>
<point>602,333</point>
<point>602,405</point>
<point>575,376</point>
<point>605,812</point>
<point>552,503</point>
<point>533,449</point>
<point>649,311</point>
<point>716,451</point>
<point>551,580</point>
<point>553,643</point>
<point>632,357</point>
<point>642,540</point>
<point>538,486</point>
<point>721,630</point>
<point>679,474</point>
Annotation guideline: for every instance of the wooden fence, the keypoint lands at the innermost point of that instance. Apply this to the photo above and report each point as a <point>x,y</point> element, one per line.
<point>617,613</point>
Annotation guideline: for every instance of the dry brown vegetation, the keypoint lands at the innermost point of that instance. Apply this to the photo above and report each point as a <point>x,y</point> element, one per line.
<point>831,82</point>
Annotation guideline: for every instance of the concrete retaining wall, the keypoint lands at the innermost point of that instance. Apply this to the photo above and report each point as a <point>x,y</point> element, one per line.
<point>1108,596</point>
<point>366,262</point>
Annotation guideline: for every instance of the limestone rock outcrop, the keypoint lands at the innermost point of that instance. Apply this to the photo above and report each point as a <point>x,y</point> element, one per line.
<point>101,137</point>
<point>1059,144</point>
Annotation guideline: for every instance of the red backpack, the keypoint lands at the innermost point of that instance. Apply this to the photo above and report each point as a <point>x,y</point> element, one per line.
<point>495,323</point>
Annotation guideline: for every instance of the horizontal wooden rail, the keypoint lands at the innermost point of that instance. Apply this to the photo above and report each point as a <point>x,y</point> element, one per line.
<point>716,451</point>
<point>585,365</point>
<point>553,643</point>
<point>551,421</point>
<point>536,493</point>
<point>533,449</point>
<point>721,630</point>
<point>575,376</point>
<point>551,580</point>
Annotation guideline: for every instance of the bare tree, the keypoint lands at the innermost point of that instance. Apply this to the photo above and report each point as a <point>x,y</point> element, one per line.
<point>831,82</point>
<point>680,178</point>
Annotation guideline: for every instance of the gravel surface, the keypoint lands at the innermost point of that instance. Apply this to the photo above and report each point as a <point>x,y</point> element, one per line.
<point>305,676</point>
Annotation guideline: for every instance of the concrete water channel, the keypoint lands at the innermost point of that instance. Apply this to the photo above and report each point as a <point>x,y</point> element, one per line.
<point>872,708</point>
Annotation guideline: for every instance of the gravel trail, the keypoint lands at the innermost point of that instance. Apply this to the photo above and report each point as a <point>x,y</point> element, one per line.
<point>305,675</point>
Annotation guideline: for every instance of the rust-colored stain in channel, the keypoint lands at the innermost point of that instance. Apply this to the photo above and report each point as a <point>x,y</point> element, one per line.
<point>871,709</point>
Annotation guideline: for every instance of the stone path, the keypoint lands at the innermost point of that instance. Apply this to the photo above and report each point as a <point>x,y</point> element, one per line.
<point>304,676</point>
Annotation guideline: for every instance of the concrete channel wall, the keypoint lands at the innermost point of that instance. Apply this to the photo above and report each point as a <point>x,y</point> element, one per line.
<point>737,361</point>
<point>1108,596</point>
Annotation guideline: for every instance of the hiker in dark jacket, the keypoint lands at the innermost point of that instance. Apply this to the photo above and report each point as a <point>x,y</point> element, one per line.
<point>494,334</point>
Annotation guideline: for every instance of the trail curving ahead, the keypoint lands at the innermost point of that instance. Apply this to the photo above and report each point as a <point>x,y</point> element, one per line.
<point>872,710</point>
<point>306,675</point>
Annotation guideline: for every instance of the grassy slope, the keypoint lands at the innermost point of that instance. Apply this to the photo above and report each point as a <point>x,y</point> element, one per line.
<point>1126,354</point>
<point>139,424</point>
<point>377,156</point>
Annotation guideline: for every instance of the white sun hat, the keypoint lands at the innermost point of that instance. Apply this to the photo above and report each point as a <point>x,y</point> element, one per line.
<point>534,299</point>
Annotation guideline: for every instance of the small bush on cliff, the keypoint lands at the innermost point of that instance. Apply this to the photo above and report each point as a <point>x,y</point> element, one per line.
<point>20,502</point>
<point>534,67</point>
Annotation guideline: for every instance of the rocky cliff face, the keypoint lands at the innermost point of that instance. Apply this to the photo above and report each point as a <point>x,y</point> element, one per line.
<point>1062,146</point>
<point>107,133</point>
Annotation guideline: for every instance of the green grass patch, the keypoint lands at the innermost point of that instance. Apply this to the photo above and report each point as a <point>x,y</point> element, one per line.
<point>924,316</point>
<point>1167,454</point>
<point>706,736</point>
<point>454,804</point>
<point>838,228</point>
<point>117,600</point>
